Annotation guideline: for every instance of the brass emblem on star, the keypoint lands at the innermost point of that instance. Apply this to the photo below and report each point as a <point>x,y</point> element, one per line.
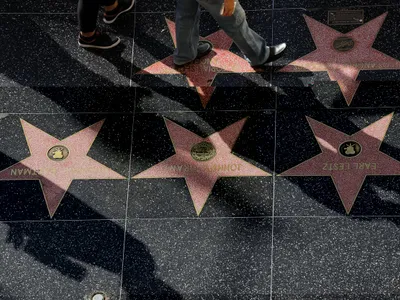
<point>58,153</point>
<point>343,44</point>
<point>203,151</point>
<point>350,149</point>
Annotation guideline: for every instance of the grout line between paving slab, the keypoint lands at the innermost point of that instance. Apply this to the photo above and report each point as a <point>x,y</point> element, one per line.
<point>130,164</point>
<point>127,206</point>
<point>141,112</point>
<point>69,113</point>
<point>214,111</point>
<point>273,217</point>
<point>273,210</point>
<point>274,167</point>
<point>210,218</point>
<point>133,54</point>
<point>283,109</point>
<point>202,111</point>
<point>37,13</point>
<point>395,6</point>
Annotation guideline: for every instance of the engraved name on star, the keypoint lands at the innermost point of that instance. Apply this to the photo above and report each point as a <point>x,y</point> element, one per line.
<point>348,159</point>
<point>202,72</point>
<point>344,55</point>
<point>202,161</point>
<point>56,163</point>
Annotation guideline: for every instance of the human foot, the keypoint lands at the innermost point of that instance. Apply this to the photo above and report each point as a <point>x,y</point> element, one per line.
<point>122,7</point>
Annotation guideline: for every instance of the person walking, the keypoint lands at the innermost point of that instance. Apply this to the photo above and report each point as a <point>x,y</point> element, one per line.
<point>90,36</point>
<point>232,19</point>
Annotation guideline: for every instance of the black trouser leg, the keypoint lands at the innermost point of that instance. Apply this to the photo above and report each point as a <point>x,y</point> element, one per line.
<point>88,11</point>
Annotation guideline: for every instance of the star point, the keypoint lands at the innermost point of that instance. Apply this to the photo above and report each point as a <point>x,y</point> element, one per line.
<point>201,73</point>
<point>348,159</point>
<point>202,161</point>
<point>56,163</point>
<point>344,55</point>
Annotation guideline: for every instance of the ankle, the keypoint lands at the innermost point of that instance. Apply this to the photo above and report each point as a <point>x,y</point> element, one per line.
<point>87,34</point>
<point>111,7</point>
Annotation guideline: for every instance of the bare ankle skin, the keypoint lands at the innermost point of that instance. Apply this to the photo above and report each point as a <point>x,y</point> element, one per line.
<point>88,34</point>
<point>111,7</point>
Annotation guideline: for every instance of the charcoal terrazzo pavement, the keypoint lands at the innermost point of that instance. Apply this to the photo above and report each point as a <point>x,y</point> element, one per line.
<point>154,185</point>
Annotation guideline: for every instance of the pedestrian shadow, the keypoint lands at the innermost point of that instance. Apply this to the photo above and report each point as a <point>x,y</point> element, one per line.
<point>71,246</point>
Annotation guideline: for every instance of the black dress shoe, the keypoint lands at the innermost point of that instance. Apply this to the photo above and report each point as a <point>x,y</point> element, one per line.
<point>203,49</point>
<point>275,52</point>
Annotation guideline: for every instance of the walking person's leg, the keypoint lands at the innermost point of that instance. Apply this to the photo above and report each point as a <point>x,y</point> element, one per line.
<point>89,36</point>
<point>118,8</point>
<point>235,25</point>
<point>188,46</point>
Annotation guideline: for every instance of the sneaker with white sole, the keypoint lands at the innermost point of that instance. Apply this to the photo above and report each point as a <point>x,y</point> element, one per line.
<point>123,7</point>
<point>99,40</point>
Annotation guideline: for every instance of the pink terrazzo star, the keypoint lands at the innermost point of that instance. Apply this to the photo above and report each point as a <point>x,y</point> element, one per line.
<point>202,72</point>
<point>201,175</point>
<point>344,66</point>
<point>70,162</point>
<point>345,162</point>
